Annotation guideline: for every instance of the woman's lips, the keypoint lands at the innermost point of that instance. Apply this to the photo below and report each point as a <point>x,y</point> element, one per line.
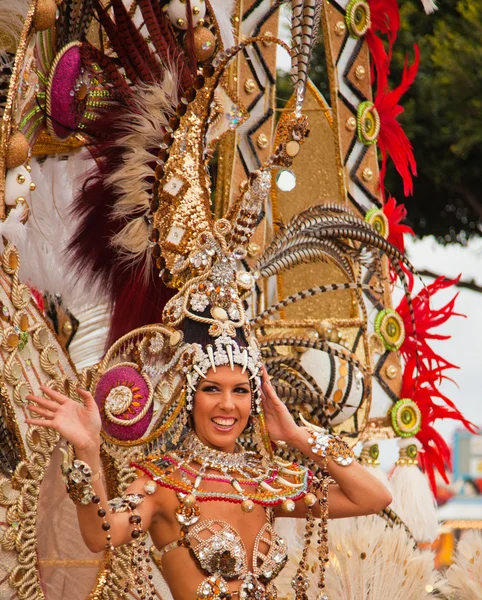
<point>223,423</point>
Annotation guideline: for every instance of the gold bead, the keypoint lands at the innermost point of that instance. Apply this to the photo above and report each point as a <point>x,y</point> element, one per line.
<point>45,13</point>
<point>262,141</point>
<point>340,28</point>
<point>33,187</point>
<point>175,338</point>
<point>20,178</point>
<point>67,328</point>
<point>391,371</point>
<point>17,150</point>
<point>360,72</point>
<point>249,86</point>
<point>219,313</point>
<point>351,124</point>
<point>29,168</point>
<point>201,22</point>
<point>180,22</point>
<point>309,500</point>
<point>195,10</point>
<point>247,506</point>
<point>204,43</point>
<point>253,249</point>
<point>288,506</point>
<point>367,174</point>
<point>189,500</point>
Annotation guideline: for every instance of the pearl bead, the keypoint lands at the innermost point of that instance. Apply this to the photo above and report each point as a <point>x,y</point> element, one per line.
<point>309,500</point>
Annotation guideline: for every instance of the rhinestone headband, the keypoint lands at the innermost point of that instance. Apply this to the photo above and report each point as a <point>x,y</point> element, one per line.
<point>226,351</point>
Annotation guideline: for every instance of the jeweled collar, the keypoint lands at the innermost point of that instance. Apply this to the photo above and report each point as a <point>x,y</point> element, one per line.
<point>215,459</point>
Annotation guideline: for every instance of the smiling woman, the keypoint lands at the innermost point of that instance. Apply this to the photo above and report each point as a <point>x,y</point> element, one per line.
<point>222,406</point>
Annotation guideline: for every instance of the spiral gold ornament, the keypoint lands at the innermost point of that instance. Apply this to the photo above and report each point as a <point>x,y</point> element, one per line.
<point>48,359</point>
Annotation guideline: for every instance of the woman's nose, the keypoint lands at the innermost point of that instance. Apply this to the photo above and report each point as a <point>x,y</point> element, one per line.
<point>227,401</point>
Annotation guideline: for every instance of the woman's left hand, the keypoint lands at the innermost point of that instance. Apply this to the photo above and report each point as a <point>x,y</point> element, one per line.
<point>279,421</point>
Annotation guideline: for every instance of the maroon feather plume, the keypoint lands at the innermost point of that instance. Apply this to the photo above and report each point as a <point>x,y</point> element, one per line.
<point>165,42</point>
<point>137,297</point>
<point>141,56</point>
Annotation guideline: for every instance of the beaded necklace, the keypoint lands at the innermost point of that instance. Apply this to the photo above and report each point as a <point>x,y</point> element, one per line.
<point>266,484</point>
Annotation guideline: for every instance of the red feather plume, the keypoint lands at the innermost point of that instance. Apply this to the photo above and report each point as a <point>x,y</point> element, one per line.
<point>385,19</point>
<point>416,345</point>
<point>422,389</point>
<point>392,140</point>
<point>395,214</point>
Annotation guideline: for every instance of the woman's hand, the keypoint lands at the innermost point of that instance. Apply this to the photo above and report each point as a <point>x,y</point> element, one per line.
<point>80,425</point>
<point>279,421</point>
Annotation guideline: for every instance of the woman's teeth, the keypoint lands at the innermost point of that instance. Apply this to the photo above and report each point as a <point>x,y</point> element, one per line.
<point>224,423</point>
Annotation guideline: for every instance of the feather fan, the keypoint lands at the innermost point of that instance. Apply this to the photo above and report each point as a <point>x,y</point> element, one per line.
<point>358,566</point>
<point>464,576</point>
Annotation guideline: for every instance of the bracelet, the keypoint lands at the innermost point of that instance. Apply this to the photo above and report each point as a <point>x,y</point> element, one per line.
<point>78,478</point>
<point>326,445</point>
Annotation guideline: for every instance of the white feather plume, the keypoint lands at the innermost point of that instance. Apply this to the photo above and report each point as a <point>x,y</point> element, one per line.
<point>223,11</point>
<point>464,576</point>
<point>413,498</point>
<point>12,15</point>
<point>50,227</point>
<point>12,228</point>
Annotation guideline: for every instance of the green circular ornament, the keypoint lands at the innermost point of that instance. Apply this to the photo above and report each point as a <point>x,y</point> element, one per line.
<point>374,451</point>
<point>412,451</point>
<point>390,328</point>
<point>367,123</point>
<point>378,220</point>
<point>406,421</point>
<point>358,18</point>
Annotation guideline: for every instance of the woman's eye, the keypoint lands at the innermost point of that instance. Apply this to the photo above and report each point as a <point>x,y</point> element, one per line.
<point>210,388</point>
<point>241,390</point>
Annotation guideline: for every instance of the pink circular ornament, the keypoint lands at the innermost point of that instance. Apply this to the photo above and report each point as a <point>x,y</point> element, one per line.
<point>67,92</point>
<point>123,395</point>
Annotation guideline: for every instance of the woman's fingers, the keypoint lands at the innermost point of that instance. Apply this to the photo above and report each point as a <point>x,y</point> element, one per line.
<point>43,402</point>
<point>57,396</point>
<point>48,414</point>
<point>40,423</point>
<point>87,398</point>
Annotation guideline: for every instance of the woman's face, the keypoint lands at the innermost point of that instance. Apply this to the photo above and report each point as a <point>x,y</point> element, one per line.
<point>222,405</point>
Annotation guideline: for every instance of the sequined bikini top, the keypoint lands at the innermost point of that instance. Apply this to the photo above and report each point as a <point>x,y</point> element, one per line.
<point>218,548</point>
<point>220,552</point>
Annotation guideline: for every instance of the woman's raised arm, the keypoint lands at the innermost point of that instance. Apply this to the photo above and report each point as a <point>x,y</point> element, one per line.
<point>80,425</point>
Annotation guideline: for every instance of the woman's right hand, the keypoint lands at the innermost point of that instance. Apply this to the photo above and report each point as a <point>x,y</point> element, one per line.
<point>78,424</point>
